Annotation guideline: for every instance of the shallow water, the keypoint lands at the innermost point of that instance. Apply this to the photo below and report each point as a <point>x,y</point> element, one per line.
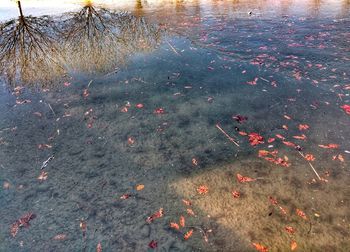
<point>193,66</point>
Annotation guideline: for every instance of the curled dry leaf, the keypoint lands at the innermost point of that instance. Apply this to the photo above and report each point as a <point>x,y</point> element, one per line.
<point>255,139</point>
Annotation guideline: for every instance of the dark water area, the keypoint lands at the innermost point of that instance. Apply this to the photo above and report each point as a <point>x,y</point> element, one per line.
<point>176,126</point>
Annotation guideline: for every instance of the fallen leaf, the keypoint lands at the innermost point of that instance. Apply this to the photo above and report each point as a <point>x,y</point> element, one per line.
<point>188,234</point>
<point>156,215</point>
<point>301,214</point>
<point>99,247</point>
<point>303,127</point>
<point>346,108</point>
<point>140,105</point>
<point>260,247</point>
<point>243,179</point>
<point>290,229</point>
<point>140,187</point>
<point>190,212</point>
<point>329,146</point>
<point>202,189</point>
<point>235,194</point>
<point>293,245</point>
<point>174,225</point>
<point>153,244</point>
<point>309,157</point>
<point>182,221</point>
<point>187,202</point>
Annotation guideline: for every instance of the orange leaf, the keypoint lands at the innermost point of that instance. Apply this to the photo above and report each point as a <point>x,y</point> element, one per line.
<point>260,247</point>
<point>293,245</point>
<point>202,189</point>
<point>140,187</point>
<point>329,146</point>
<point>243,179</point>
<point>309,157</point>
<point>174,225</point>
<point>301,214</point>
<point>188,234</point>
<point>289,143</point>
<point>182,221</point>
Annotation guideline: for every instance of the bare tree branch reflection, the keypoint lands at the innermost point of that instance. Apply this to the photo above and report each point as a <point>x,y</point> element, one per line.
<point>97,39</point>
<point>27,49</point>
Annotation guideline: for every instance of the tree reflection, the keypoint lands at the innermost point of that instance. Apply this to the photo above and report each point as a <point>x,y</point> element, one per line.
<point>97,39</point>
<point>27,49</point>
<point>42,49</point>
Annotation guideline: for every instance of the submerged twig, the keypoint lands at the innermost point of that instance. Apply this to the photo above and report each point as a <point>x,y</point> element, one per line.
<point>203,231</point>
<point>174,50</point>
<point>312,167</point>
<point>223,132</point>
<point>48,104</point>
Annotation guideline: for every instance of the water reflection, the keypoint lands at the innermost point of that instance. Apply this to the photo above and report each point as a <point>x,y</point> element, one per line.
<point>27,49</point>
<point>92,39</point>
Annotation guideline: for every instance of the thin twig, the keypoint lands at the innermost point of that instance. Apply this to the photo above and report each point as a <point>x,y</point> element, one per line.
<point>48,104</point>
<point>312,167</point>
<point>223,132</point>
<point>174,50</point>
<point>89,83</point>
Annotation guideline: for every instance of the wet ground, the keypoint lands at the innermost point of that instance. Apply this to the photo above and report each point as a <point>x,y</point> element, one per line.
<point>185,126</point>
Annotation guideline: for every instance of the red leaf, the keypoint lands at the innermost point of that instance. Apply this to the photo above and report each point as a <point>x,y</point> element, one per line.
<point>346,108</point>
<point>153,244</point>
<point>243,179</point>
